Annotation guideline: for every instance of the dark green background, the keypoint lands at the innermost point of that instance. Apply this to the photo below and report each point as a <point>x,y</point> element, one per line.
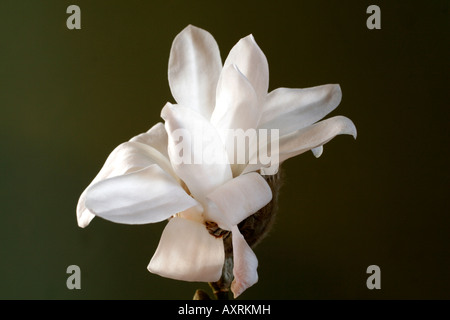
<point>69,97</point>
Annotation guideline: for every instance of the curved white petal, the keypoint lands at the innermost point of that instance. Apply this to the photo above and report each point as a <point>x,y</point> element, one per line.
<point>144,196</point>
<point>188,252</point>
<point>127,157</point>
<point>236,104</point>
<point>245,264</point>
<point>194,69</point>
<point>252,62</point>
<point>314,136</point>
<point>196,151</point>
<point>156,137</point>
<point>236,109</point>
<point>309,138</point>
<point>237,199</point>
<point>84,216</point>
<point>292,109</point>
<point>317,152</point>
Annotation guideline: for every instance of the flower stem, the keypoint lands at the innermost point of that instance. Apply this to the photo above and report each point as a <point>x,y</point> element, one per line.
<point>219,292</point>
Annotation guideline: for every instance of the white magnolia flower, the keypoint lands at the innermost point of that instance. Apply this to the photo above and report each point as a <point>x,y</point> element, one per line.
<point>142,183</point>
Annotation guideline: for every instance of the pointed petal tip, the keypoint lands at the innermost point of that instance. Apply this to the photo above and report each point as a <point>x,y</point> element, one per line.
<point>250,37</point>
<point>337,88</point>
<point>164,111</point>
<point>317,151</point>
<point>352,130</point>
<point>85,218</point>
<point>151,268</point>
<point>347,126</point>
<point>335,94</point>
<point>190,28</point>
<point>82,224</point>
<point>238,289</point>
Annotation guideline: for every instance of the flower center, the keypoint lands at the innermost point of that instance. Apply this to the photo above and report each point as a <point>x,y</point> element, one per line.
<point>215,231</point>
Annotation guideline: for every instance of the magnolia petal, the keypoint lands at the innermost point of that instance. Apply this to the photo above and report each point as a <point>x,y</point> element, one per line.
<point>236,111</point>
<point>194,69</point>
<point>188,252</point>
<point>145,196</point>
<point>309,138</point>
<point>317,152</point>
<point>292,109</point>
<point>237,199</point>
<point>156,137</point>
<point>204,164</point>
<point>252,62</point>
<point>127,157</point>
<point>236,104</point>
<point>314,136</point>
<point>84,216</point>
<point>245,264</point>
